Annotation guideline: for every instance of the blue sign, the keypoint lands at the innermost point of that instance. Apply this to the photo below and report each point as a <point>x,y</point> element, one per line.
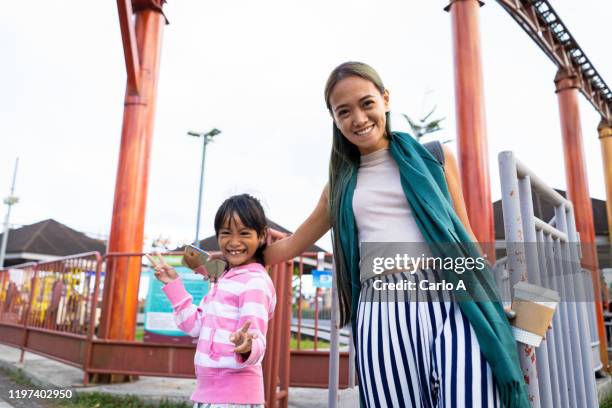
<point>321,279</point>
<point>158,310</point>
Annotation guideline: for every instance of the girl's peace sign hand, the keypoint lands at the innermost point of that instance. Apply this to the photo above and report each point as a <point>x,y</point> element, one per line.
<point>242,339</point>
<point>163,272</point>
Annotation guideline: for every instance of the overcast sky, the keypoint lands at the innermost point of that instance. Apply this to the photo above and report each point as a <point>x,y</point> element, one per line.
<point>256,70</point>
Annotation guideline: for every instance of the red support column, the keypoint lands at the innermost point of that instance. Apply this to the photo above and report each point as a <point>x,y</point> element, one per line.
<point>127,229</point>
<point>567,85</point>
<point>605,138</point>
<point>471,126</point>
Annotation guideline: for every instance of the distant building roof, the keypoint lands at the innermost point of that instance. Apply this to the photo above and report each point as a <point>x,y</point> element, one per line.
<point>47,239</point>
<point>545,212</point>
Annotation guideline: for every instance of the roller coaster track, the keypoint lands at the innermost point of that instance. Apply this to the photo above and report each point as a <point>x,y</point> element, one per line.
<point>540,21</point>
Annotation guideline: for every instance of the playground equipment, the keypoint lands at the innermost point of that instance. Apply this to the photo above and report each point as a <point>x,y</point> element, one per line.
<point>142,24</point>
<point>73,338</point>
<point>67,328</point>
<point>575,72</point>
<point>547,254</point>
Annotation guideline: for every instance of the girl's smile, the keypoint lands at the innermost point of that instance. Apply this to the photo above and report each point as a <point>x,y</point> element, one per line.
<point>237,242</point>
<point>359,109</point>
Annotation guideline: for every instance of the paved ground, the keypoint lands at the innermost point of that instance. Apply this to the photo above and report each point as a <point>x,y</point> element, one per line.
<point>9,388</point>
<point>49,374</point>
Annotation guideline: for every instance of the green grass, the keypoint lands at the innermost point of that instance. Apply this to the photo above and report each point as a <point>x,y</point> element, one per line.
<point>607,403</point>
<point>139,335</point>
<point>94,399</point>
<point>18,377</point>
<point>308,344</point>
<point>99,400</point>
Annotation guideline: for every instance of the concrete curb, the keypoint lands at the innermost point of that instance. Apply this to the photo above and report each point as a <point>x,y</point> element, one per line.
<point>604,388</point>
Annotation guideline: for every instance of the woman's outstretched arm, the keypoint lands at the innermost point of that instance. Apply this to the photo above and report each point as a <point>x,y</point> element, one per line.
<point>451,171</point>
<point>313,228</point>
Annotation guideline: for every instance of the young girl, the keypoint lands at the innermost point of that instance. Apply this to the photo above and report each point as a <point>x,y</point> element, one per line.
<point>232,319</point>
<point>385,187</point>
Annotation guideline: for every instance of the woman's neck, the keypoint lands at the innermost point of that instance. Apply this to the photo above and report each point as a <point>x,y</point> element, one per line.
<point>382,144</point>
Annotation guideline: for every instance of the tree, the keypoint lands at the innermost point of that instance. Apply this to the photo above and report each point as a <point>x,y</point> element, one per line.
<point>424,126</point>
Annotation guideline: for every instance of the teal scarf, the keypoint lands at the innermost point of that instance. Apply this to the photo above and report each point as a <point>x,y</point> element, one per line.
<point>424,185</point>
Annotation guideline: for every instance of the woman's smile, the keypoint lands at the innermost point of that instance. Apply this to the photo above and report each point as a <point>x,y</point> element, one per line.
<point>364,131</point>
<point>359,111</point>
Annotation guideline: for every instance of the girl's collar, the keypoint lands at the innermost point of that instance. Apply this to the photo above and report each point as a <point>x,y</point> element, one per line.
<point>250,267</point>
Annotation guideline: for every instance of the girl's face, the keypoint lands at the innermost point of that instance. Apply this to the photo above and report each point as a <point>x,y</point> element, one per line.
<point>238,243</point>
<point>358,109</point>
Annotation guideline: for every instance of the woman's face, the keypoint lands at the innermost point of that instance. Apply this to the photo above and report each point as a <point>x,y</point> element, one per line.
<point>358,109</point>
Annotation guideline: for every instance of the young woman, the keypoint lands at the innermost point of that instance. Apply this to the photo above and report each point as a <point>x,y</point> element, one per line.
<point>385,187</point>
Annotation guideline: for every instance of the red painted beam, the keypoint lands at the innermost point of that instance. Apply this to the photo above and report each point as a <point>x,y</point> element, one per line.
<point>127,228</point>
<point>566,83</point>
<point>311,369</point>
<point>130,49</point>
<point>471,127</point>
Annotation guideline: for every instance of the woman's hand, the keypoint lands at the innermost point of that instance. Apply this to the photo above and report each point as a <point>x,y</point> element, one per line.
<point>242,339</point>
<point>511,314</point>
<point>163,272</point>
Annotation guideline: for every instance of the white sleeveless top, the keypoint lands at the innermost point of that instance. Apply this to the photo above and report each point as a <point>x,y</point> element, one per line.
<point>382,212</point>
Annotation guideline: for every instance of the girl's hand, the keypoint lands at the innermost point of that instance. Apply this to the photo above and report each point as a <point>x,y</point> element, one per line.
<point>242,339</point>
<point>163,272</point>
<point>216,256</point>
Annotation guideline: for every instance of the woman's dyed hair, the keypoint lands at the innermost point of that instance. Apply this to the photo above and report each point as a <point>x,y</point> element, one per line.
<point>343,162</point>
<point>250,212</point>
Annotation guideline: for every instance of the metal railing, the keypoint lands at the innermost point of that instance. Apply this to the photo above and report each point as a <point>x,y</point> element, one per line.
<point>338,357</point>
<point>561,372</point>
<point>54,309</point>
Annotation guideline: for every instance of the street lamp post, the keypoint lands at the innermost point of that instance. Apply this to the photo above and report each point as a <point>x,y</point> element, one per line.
<point>207,137</point>
<point>9,201</point>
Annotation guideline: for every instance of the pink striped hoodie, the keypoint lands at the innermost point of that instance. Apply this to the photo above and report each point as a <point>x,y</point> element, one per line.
<point>243,293</point>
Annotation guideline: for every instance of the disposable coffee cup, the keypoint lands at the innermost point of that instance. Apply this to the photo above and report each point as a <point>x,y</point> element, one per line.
<point>535,307</point>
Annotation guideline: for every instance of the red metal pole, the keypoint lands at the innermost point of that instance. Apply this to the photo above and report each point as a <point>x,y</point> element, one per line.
<point>127,229</point>
<point>316,319</point>
<point>567,86</point>
<point>471,126</point>
<point>26,318</point>
<point>299,306</point>
<point>285,344</point>
<point>3,291</point>
<point>92,320</point>
<point>605,138</point>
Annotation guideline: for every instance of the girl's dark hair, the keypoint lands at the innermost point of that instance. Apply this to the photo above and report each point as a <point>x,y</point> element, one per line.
<point>344,161</point>
<point>250,212</point>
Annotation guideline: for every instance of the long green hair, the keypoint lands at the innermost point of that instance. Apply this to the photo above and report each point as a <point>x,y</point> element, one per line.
<point>344,161</point>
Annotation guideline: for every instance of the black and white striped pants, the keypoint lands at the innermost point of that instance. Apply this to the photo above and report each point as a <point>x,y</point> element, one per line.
<point>418,353</point>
